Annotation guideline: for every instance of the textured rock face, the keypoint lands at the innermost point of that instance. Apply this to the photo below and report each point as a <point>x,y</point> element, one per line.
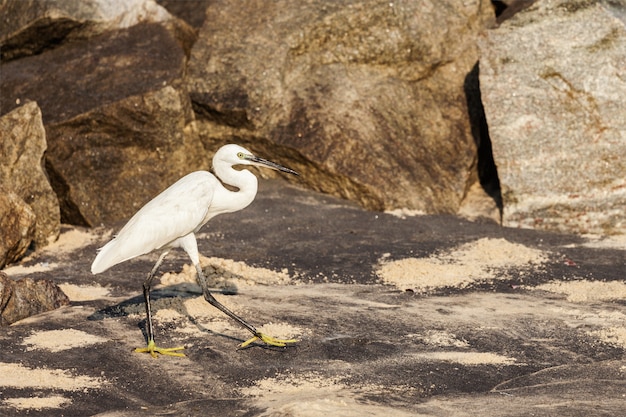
<point>17,226</point>
<point>367,96</point>
<point>377,102</point>
<point>552,81</point>
<point>22,147</point>
<point>26,297</point>
<point>122,155</point>
<point>366,99</point>
<point>116,119</point>
<point>33,26</point>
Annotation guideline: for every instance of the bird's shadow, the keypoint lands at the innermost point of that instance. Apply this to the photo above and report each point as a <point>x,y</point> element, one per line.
<point>176,293</point>
<point>135,305</point>
<point>171,297</point>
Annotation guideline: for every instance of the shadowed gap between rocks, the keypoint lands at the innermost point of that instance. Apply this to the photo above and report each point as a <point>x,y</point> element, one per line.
<point>487,170</point>
<point>70,213</point>
<point>506,9</point>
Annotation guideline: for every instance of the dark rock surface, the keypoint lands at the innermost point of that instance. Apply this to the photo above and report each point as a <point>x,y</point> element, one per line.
<point>498,347</point>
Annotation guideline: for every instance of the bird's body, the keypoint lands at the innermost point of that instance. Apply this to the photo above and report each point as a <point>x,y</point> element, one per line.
<point>172,218</point>
<point>181,209</point>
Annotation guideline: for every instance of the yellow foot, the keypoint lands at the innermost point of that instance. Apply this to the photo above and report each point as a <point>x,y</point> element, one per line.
<point>268,340</point>
<point>153,349</point>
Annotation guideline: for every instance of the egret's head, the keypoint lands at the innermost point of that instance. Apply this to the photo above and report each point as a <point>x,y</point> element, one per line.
<point>237,155</point>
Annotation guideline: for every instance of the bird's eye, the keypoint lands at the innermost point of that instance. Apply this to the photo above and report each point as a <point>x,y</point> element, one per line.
<point>240,155</point>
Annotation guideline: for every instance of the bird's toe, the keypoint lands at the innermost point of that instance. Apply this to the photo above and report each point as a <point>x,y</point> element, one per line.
<point>269,340</point>
<point>153,349</point>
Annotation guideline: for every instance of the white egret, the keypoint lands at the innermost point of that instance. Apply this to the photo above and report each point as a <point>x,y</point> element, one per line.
<point>172,218</point>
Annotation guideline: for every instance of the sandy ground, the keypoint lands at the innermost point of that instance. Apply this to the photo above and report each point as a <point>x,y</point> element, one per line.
<point>395,315</point>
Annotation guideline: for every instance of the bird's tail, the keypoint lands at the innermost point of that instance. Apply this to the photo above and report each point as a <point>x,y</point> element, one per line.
<point>108,256</point>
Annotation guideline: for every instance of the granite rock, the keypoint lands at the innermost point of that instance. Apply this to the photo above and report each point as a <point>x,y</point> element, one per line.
<point>552,83</point>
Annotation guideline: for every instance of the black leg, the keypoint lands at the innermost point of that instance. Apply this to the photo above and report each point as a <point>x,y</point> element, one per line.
<point>256,334</point>
<point>211,300</point>
<point>146,296</point>
<point>152,348</point>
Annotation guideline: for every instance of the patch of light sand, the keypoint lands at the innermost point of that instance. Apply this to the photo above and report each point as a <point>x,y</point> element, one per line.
<point>586,291</point>
<point>482,260</point>
<point>167,315</point>
<point>37,403</point>
<point>68,241</point>
<point>595,320</point>
<point>71,240</point>
<point>281,330</point>
<point>186,329</point>
<point>58,340</point>
<point>84,292</point>
<point>615,336</point>
<point>605,242</point>
<point>403,213</point>
<point>217,269</point>
<point>176,308</point>
<point>199,307</point>
<point>15,375</point>
<point>440,338</point>
<point>313,395</point>
<point>466,358</point>
<point>21,270</point>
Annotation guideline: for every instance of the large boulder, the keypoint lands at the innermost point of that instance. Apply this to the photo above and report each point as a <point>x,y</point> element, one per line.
<point>17,226</point>
<point>22,147</point>
<point>366,97</point>
<point>118,120</point>
<point>553,87</point>
<point>122,155</point>
<point>30,27</point>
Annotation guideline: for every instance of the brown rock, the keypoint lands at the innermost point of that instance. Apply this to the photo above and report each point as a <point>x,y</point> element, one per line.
<point>33,26</point>
<point>17,226</point>
<point>82,75</point>
<point>22,147</point>
<point>27,297</point>
<point>122,155</point>
<point>117,119</point>
<point>368,96</point>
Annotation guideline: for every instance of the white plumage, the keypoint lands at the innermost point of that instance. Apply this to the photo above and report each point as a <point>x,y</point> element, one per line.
<point>181,209</point>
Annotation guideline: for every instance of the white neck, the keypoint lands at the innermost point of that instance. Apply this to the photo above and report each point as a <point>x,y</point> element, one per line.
<point>244,180</point>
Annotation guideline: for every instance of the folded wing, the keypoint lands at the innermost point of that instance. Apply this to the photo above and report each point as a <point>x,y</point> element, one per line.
<point>179,210</point>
